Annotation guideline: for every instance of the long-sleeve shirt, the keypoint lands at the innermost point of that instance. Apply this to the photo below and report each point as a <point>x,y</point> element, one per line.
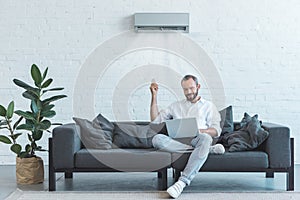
<point>204,111</point>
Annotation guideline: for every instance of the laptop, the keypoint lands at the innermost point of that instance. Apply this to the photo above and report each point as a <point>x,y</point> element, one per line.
<point>182,128</point>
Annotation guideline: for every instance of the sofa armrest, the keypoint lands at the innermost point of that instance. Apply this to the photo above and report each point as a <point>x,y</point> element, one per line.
<point>277,145</point>
<point>66,142</point>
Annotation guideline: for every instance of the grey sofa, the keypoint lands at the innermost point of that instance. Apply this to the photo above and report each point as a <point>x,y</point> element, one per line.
<point>67,155</point>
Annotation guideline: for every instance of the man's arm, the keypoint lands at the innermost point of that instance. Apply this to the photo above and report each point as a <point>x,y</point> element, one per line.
<point>153,107</point>
<point>213,122</point>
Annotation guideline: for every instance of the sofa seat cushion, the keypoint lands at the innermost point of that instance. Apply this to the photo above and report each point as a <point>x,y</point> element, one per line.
<point>229,161</point>
<point>135,160</point>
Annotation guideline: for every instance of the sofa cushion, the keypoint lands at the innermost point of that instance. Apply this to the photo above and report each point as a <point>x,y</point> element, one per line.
<point>93,135</point>
<point>229,161</point>
<point>131,135</point>
<point>138,160</point>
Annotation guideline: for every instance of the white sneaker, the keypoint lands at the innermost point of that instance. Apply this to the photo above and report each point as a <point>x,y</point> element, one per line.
<point>217,149</point>
<point>176,189</point>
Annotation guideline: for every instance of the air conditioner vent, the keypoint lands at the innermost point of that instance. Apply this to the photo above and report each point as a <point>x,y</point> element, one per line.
<point>161,22</point>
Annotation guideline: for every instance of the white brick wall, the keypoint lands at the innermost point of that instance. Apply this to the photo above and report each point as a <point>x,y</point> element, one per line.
<point>254,45</point>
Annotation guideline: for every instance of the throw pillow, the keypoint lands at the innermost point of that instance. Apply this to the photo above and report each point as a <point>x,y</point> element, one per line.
<point>259,135</point>
<point>249,137</point>
<point>245,120</point>
<point>105,124</point>
<point>159,128</point>
<point>131,135</point>
<point>226,123</point>
<point>92,135</point>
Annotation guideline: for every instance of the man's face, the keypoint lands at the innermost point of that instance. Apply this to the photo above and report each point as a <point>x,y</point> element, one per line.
<point>190,89</point>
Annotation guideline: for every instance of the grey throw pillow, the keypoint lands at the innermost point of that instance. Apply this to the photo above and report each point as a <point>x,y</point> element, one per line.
<point>92,135</point>
<point>131,135</point>
<point>226,123</point>
<point>249,136</point>
<point>105,124</point>
<point>160,128</point>
<point>246,119</point>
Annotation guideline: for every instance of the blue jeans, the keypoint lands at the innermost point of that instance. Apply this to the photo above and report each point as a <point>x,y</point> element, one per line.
<point>199,147</point>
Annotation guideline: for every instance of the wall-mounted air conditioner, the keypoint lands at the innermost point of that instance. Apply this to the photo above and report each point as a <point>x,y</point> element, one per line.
<point>161,22</point>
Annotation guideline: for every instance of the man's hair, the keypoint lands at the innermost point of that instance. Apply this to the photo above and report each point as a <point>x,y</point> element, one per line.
<point>187,77</point>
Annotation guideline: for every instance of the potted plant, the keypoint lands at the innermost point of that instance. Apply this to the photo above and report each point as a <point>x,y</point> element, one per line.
<point>35,121</point>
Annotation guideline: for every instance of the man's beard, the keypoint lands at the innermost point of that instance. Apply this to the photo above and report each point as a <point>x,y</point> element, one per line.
<point>190,97</point>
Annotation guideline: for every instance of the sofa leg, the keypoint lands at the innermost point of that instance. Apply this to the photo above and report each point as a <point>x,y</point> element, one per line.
<point>159,174</point>
<point>290,173</point>
<point>52,181</point>
<point>51,171</point>
<point>68,175</point>
<point>177,174</point>
<point>269,174</point>
<point>162,179</point>
<point>290,181</point>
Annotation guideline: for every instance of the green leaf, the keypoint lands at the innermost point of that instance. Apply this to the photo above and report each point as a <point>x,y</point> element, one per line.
<point>44,125</point>
<point>22,84</point>
<point>36,75</point>
<point>48,107</point>
<point>27,148</point>
<point>47,83</point>
<point>48,113</point>
<point>15,136</point>
<point>26,115</point>
<point>30,95</point>
<point>29,137</point>
<point>10,110</point>
<point>27,127</point>
<point>3,122</point>
<point>17,123</point>
<point>45,73</point>
<point>5,139</point>
<point>53,89</point>
<point>54,98</point>
<point>39,148</point>
<point>30,122</point>
<point>37,135</point>
<point>35,91</point>
<point>43,150</point>
<point>39,104</point>
<point>2,111</point>
<point>16,148</point>
<point>34,107</point>
<point>24,154</point>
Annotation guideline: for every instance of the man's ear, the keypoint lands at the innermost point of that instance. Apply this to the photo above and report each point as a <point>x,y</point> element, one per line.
<point>198,86</point>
